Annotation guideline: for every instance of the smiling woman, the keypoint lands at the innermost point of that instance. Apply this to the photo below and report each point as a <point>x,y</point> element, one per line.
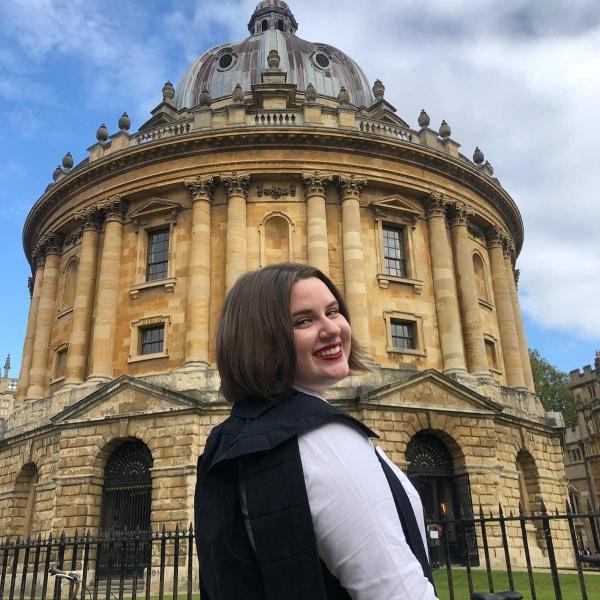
<point>291,495</point>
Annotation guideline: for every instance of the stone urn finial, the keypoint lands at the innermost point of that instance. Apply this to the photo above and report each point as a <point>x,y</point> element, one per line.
<point>56,173</point>
<point>423,119</point>
<point>343,97</point>
<point>102,133</point>
<point>124,122</point>
<point>378,90</point>
<point>168,92</point>
<point>478,156</point>
<point>273,60</point>
<point>205,98</point>
<point>445,130</point>
<point>67,161</point>
<point>238,94</point>
<point>310,94</point>
<point>489,167</point>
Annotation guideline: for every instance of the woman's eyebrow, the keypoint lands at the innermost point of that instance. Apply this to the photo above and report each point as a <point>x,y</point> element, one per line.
<point>308,311</point>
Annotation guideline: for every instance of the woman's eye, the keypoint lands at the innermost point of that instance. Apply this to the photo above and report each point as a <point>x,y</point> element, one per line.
<point>333,311</point>
<point>302,323</point>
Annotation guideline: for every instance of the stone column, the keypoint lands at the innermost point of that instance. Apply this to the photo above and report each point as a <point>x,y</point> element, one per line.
<point>35,288</point>
<point>236,262</point>
<point>197,336</point>
<point>467,293</point>
<point>315,186</point>
<point>354,271</point>
<point>444,287</point>
<point>83,304</point>
<point>107,298</point>
<point>512,287</point>
<point>504,310</point>
<point>46,315</point>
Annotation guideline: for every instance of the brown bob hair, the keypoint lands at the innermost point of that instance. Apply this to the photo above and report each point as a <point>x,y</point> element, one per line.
<point>256,354</point>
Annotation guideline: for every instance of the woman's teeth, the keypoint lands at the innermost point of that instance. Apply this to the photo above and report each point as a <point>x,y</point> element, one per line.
<point>330,351</point>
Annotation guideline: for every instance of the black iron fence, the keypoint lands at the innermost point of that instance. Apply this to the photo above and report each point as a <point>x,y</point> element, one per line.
<point>144,565</point>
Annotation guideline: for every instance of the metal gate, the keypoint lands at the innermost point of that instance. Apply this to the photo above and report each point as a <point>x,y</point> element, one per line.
<point>444,495</point>
<point>126,505</point>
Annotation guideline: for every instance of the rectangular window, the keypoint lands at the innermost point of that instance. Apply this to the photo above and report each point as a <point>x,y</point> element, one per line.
<point>60,365</point>
<point>490,351</point>
<point>158,255</point>
<point>152,339</point>
<point>394,254</point>
<point>403,334</point>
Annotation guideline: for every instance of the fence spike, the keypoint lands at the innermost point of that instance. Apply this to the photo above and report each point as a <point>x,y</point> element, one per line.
<point>191,529</point>
<point>520,508</point>
<point>480,511</point>
<point>543,508</point>
<point>177,529</point>
<point>500,511</point>
<point>62,536</point>
<point>568,505</point>
<point>510,513</point>
<point>556,511</point>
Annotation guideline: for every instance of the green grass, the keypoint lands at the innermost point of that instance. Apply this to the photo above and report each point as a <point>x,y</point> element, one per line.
<point>569,584</point>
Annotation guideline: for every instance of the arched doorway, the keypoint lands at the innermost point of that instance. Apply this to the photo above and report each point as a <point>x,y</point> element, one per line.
<point>444,493</point>
<point>126,502</point>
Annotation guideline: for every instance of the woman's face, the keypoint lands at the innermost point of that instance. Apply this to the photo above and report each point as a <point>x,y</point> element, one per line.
<point>321,335</point>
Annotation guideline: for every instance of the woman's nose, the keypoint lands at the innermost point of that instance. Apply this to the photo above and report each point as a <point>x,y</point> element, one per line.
<point>329,328</point>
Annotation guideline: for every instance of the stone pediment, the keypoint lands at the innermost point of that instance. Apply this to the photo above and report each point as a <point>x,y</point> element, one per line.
<point>154,206</point>
<point>434,391</point>
<point>396,205</point>
<point>126,396</point>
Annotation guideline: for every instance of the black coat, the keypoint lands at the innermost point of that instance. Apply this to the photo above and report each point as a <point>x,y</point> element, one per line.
<point>258,445</point>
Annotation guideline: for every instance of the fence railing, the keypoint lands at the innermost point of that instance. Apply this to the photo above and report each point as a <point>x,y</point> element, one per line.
<point>146,564</point>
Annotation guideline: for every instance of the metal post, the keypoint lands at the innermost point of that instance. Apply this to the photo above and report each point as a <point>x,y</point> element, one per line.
<point>85,560</point>
<point>4,567</point>
<point>176,562</point>
<point>576,551</point>
<point>13,579</point>
<point>527,555</point>
<point>25,565</point>
<point>36,566</point>
<point>551,556</point>
<point>486,550</point>
<point>190,555</point>
<point>161,583</point>
<point>46,566</point>
<point>511,583</point>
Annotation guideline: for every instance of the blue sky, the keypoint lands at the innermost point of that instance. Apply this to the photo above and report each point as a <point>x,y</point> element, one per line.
<point>519,80</point>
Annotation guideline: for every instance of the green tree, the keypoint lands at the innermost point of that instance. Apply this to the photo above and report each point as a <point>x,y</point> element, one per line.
<point>552,386</point>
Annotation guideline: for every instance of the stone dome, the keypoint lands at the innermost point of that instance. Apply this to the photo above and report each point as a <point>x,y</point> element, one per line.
<point>272,26</point>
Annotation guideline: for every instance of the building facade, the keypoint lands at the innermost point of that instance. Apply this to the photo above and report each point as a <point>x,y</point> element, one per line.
<point>273,149</point>
<point>582,451</point>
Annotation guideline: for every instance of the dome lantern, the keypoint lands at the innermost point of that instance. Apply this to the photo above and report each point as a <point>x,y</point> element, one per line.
<point>272,14</point>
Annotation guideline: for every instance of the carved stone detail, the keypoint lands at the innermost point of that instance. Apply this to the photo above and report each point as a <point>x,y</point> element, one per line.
<point>201,188</point>
<point>517,274</point>
<point>509,248</point>
<point>115,208</point>
<point>236,185</point>
<point>315,184</point>
<point>52,243</point>
<point>275,192</point>
<point>90,219</point>
<point>273,60</point>
<point>30,281</point>
<point>350,186</point>
<point>496,237</point>
<point>460,215</point>
<point>38,256</point>
<point>436,205</point>
<point>72,239</point>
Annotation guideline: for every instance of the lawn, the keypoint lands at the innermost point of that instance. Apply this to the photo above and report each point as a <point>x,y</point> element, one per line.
<point>569,584</point>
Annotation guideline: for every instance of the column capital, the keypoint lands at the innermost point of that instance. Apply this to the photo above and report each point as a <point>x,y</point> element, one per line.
<point>115,208</point>
<point>38,256</point>
<point>460,214</point>
<point>436,205</point>
<point>236,184</point>
<point>517,274</point>
<point>350,187</point>
<point>51,243</point>
<point>509,248</point>
<point>201,188</point>
<point>90,219</point>
<point>30,281</point>
<point>315,183</point>
<point>496,237</point>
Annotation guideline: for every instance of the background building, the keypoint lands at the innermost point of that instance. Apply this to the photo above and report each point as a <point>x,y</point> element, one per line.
<point>582,450</point>
<point>269,150</point>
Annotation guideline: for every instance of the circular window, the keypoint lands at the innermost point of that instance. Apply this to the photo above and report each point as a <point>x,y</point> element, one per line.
<point>225,61</point>
<point>322,60</point>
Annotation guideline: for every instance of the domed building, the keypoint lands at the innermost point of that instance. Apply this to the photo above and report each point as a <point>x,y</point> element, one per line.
<point>272,149</point>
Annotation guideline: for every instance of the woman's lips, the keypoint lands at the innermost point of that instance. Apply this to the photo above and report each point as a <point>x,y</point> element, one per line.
<point>330,352</point>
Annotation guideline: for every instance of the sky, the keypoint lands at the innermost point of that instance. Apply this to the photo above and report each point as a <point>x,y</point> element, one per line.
<point>520,79</point>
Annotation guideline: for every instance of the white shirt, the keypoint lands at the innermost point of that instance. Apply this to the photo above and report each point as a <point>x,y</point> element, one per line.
<point>359,535</point>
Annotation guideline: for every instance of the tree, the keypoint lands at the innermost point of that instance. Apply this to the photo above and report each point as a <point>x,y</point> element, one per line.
<point>552,386</point>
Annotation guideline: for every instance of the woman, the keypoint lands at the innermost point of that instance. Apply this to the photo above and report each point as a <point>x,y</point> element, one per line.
<point>292,500</point>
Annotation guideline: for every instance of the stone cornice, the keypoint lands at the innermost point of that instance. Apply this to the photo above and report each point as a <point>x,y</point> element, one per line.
<point>89,175</point>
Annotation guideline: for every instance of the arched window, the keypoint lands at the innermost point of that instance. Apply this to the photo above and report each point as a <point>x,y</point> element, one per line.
<point>264,25</point>
<point>280,25</point>
<point>68,288</point>
<point>276,243</point>
<point>24,501</point>
<point>480,278</point>
<point>529,490</point>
